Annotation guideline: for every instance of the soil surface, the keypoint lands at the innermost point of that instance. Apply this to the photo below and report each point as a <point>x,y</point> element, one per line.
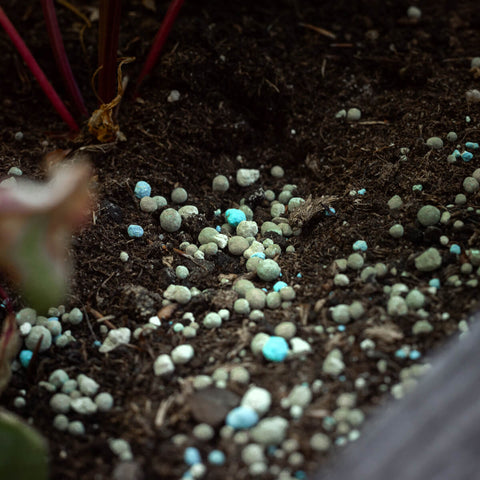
<point>260,85</point>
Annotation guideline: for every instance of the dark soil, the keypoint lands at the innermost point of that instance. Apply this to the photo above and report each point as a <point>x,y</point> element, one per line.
<point>258,89</point>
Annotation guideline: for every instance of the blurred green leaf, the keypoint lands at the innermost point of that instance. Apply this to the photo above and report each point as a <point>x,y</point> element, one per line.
<point>36,224</point>
<point>23,452</point>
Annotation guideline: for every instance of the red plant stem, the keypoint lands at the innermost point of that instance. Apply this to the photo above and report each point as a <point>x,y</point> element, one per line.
<point>6,300</point>
<point>160,39</point>
<point>37,71</point>
<point>61,58</point>
<point>108,32</point>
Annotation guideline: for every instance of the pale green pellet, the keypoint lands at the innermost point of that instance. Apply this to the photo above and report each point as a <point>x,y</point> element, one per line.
<point>277,171</point>
<point>274,300</point>
<point>256,298</point>
<point>179,195</point>
<point>148,204</point>
<point>241,306</point>
<point>237,245</point>
<point>182,272</point>
<point>220,184</point>
<point>277,209</point>
<point>170,220</point>
<point>268,270</point>
<point>242,286</point>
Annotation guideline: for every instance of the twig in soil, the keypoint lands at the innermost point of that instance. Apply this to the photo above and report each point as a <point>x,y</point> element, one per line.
<point>185,255</point>
<point>320,30</point>
<point>373,122</point>
<point>162,411</point>
<point>88,323</point>
<point>102,318</point>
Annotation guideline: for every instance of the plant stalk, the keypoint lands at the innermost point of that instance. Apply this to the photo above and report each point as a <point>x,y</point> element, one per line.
<point>160,39</point>
<point>61,58</point>
<point>108,33</point>
<point>37,71</point>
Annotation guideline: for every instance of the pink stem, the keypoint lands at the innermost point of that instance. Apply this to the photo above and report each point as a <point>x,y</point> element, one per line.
<point>160,39</point>
<point>6,300</point>
<point>37,71</point>
<point>61,58</point>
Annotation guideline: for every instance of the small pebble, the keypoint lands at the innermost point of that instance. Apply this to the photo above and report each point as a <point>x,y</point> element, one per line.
<point>435,142</point>
<point>429,260</point>
<point>396,306</point>
<point>142,189</point>
<point>455,249</point>
<point>124,257</point>
<point>163,365</point>
<point>355,261</point>
<point>58,377</point>
<point>270,431</point>
<point>471,184</point>
<point>286,330</point>
<point>115,338</point>
<point>333,363</point>
<point>203,432</point>
<point>396,231</point>
<point>216,457</point>
<point>252,454</point>
<point>275,349</point>
<point>354,114</point>
<point>237,245</point>
<point>173,96</point>
<point>148,204</point>
<point>452,137</point>
<point>33,338</point>
<point>135,231</point>
<point>242,417</point>
<point>170,220</point>
<point>76,428</point>
<point>182,354</point>
<point>19,402</point>
<point>179,195</point>
<point>422,327</point>
<point>340,313</point>
<point>15,171</point>
<point>87,385</point>
<point>26,315</point>
<point>60,403</point>
<point>84,405</point>
<point>191,456</point>
<point>268,270</point>
<point>360,245</point>
<point>257,398</point>
<point>60,422</point>
<point>212,320</point>
<point>415,299</point>
<point>258,342</point>
<point>277,171</point>
<point>246,177</point>
<point>104,402</point>
<point>395,203</point>
<point>414,13</point>
<point>220,184</point>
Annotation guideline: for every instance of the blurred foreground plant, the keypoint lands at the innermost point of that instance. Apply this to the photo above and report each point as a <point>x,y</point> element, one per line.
<point>36,223</point>
<point>23,452</point>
